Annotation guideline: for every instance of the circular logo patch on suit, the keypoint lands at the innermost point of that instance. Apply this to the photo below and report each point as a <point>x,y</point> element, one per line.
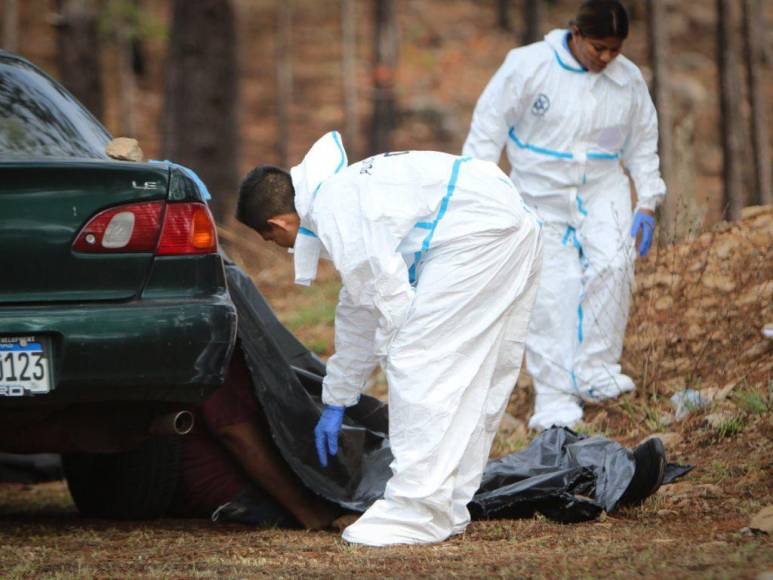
<point>541,105</point>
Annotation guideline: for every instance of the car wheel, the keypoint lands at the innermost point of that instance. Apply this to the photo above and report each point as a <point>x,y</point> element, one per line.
<point>133,485</point>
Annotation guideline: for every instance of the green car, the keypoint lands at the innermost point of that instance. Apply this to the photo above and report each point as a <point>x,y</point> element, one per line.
<point>115,317</point>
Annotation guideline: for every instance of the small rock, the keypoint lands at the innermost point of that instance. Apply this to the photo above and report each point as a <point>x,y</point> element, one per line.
<point>746,532</point>
<point>124,149</point>
<point>721,282</point>
<point>763,521</point>
<point>725,247</point>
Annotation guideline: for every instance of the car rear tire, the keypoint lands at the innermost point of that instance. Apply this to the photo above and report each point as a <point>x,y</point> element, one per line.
<point>133,485</point>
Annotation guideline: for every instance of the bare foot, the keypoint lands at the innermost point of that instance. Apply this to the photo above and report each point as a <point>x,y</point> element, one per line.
<point>318,516</point>
<point>344,521</point>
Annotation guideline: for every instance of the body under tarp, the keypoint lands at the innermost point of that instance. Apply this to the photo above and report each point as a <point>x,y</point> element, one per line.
<point>563,475</point>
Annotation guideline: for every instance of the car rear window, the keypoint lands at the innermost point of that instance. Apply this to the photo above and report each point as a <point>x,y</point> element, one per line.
<point>39,119</point>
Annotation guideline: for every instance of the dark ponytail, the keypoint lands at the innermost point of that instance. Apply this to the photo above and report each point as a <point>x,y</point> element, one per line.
<point>601,19</point>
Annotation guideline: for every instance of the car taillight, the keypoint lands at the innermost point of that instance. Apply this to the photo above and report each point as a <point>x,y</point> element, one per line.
<point>188,229</point>
<point>126,228</point>
<point>185,228</point>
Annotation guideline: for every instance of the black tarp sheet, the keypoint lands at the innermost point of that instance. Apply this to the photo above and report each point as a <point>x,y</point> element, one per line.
<point>564,475</point>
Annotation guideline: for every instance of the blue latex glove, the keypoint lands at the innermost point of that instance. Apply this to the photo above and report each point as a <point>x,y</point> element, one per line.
<point>646,224</point>
<point>326,432</point>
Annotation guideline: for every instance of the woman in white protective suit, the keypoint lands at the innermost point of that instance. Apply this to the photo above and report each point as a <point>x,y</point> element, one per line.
<point>572,113</point>
<point>439,261</point>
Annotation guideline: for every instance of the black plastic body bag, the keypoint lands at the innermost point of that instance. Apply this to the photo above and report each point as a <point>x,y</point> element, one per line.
<point>566,476</point>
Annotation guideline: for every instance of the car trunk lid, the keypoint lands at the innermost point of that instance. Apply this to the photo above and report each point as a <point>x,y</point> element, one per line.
<point>43,207</point>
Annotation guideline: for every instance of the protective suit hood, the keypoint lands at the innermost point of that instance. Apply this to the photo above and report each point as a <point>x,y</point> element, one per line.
<point>325,158</point>
<point>557,40</point>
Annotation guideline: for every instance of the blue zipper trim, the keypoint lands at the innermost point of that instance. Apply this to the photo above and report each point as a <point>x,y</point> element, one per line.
<point>412,269</point>
<point>575,69</point>
<point>441,212</point>
<point>569,232</point>
<point>572,233</point>
<point>306,232</point>
<point>580,206</point>
<point>566,66</point>
<point>423,225</point>
<point>337,139</point>
<point>553,153</point>
<point>595,155</point>
<point>540,150</point>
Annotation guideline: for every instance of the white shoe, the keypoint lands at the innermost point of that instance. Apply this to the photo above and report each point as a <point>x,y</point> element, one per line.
<point>565,413</point>
<point>616,387</point>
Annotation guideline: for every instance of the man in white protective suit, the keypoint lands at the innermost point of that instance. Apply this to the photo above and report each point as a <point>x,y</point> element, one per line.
<point>439,261</point>
<point>572,113</point>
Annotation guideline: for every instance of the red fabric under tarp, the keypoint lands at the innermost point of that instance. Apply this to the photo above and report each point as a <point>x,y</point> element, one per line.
<point>209,475</point>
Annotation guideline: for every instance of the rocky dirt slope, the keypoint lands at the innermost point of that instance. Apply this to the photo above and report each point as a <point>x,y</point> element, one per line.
<point>700,309</point>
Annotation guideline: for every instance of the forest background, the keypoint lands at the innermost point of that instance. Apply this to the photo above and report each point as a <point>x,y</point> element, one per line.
<point>224,85</point>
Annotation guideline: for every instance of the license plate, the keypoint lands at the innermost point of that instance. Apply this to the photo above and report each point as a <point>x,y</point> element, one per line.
<point>24,366</point>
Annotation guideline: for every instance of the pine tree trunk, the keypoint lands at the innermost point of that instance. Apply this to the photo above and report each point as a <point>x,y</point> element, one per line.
<point>385,63</point>
<point>349,74</point>
<point>127,85</point>
<point>78,52</point>
<point>503,15</point>
<point>284,79</point>
<point>201,97</point>
<point>754,55</point>
<point>10,40</point>
<point>533,16</point>
<point>730,102</point>
<point>661,90</point>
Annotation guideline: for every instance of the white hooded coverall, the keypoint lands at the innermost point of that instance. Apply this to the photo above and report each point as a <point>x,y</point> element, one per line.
<point>567,130</point>
<point>439,261</point>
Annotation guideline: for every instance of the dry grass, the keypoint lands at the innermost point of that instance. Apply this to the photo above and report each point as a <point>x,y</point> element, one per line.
<point>50,541</point>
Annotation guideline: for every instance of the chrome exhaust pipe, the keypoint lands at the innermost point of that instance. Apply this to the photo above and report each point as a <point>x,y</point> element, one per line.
<point>177,423</point>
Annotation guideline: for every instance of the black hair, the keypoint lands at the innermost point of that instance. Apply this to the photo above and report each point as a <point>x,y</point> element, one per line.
<point>265,192</point>
<point>602,18</point>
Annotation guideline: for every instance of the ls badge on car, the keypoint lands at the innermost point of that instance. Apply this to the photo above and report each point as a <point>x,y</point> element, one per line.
<point>24,367</point>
